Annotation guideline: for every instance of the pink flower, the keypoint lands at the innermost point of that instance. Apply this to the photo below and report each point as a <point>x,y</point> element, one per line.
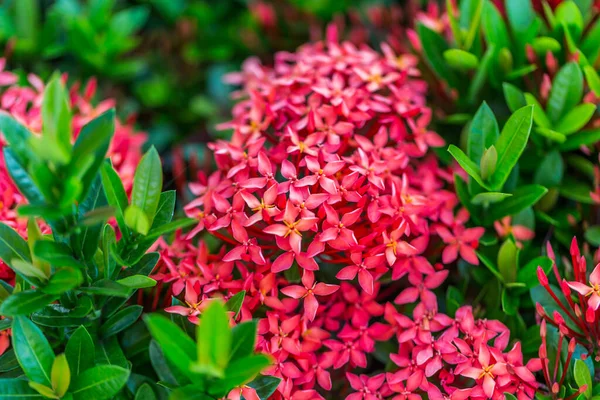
<point>462,241</point>
<point>308,293</point>
<point>519,232</point>
<point>291,227</point>
<point>361,268</point>
<point>592,291</point>
<point>487,371</point>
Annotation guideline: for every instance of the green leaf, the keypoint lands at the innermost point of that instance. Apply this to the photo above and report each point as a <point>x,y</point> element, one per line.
<point>550,134</point>
<point>568,14</point>
<point>469,166</point>
<point>165,210</point>
<point>462,191</point>
<point>576,190</point>
<point>137,282</point>
<point>90,148</point>
<point>108,351</point>
<point>566,92</point>
<point>510,302</point>
<point>576,119</point>
<point>56,253</point>
<point>60,375</point>
<point>592,78</point>
<point>434,47</point>
<point>80,351</point>
<point>56,117</point>
<point>64,279</point>
<point>121,320</point>
<point>483,132</point>
<point>115,194</point>
<point>592,235</point>
<point>22,178</point>
<point>515,98</point>
<point>511,143</point>
<point>17,389</point>
<point>265,386</point>
<point>520,15</point>
<point>243,339</point>
<point>55,315</point>
<point>245,369</point>
<point>539,116</point>
<point>190,392</point>
<point>105,287</point>
<point>461,60</point>
<point>147,185</point>
<point>550,171</point>
<point>145,392</point>
<point>494,27</point>
<point>528,273</point>
<point>85,242</point>
<point>137,220</point>
<point>523,197</point>
<point>99,383</point>
<point>25,268</point>
<point>543,45</point>
<point>508,260</point>
<point>183,223</point>
<point>17,136</point>
<point>12,246</point>
<point>25,303</point>
<point>164,368</point>
<point>488,198</point>
<point>175,344</point>
<point>32,350</point>
<point>235,303</point>
<point>214,339</point>
<point>583,377</point>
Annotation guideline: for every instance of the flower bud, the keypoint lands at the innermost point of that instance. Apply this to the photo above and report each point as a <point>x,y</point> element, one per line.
<point>505,59</point>
<point>542,276</point>
<point>488,162</point>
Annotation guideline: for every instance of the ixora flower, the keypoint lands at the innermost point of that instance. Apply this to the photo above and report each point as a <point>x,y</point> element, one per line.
<point>578,301</point>
<point>23,102</point>
<point>324,199</point>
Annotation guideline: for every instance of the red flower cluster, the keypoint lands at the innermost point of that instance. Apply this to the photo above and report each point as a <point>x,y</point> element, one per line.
<point>24,104</point>
<point>324,198</point>
<point>578,302</point>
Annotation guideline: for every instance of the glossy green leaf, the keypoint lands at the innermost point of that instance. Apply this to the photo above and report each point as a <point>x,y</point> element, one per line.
<point>182,223</point>
<point>17,136</point>
<point>528,273</point>
<point>56,253</point>
<point>583,377</point>
<point>57,316</point>
<point>106,287</point>
<point>550,134</point>
<point>265,386</point>
<point>12,245</point>
<point>175,344</point>
<point>121,320</point>
<point>494,27</point>
<point>511,143</point>
<point>85,242</point>
<point>243,339</point>
<point>469,166</point>
<point>17,389</point>
<point>539,116</point>
<point>515,98</point>
<point>60,375</point>
<point>99,383</point>
<point>32,350</point>
<point>461,60</point>
<point>25,303</point>
<point>592,235</point>
<point>550,171</point>
<point>508,260</point>
<point>523,197</point>
<point>56,117</point>
<point>62,280</point>
<point>214,339</point>
<point>137,282</point>
<point>488,198</point>
<point>568,14</point>
<point>80,351</point>
<point>115,194</point>
<point>592,78</point>
<point>510,302</point>
<point>544,44</point>
<point>235,303</point>
<point>575,119</point>
<point>145,392</point>
<point>22,178</point>
<point>165,209</point>
<point>147,185</point>
<point>245,369</point>
<point>434,47</point>
<point>483,132</point>
<point>137,220</point>
<point>566,92</point>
